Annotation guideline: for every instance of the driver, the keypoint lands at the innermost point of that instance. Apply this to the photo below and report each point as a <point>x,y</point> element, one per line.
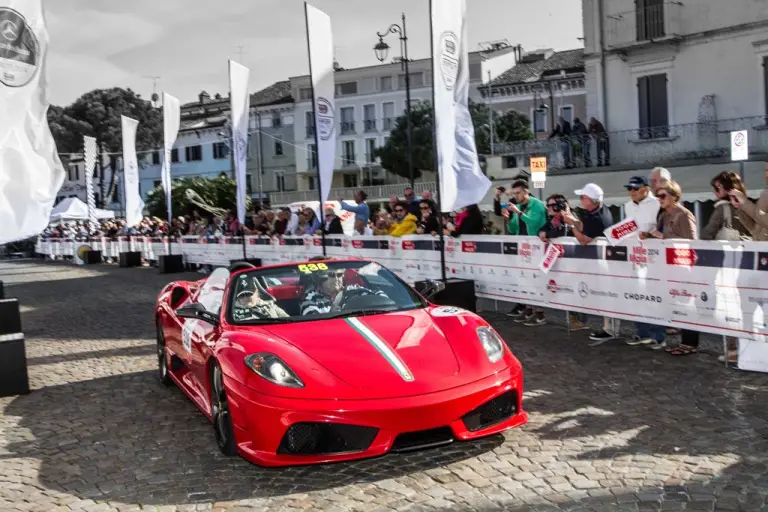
<point>327,293</point>
<point>251,305</point>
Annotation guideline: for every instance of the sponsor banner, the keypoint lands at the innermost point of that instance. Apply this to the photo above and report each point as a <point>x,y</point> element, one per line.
<point>621,231</point>
<point>714,287</point>
<point>550,257</point>
<point>171,122</point>
<point>134,206</point>
<point>239,107</point>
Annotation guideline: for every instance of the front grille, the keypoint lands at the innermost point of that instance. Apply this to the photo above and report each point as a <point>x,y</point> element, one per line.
<point>422,439</point>
<point>325,438</point>
<point>492,412</point>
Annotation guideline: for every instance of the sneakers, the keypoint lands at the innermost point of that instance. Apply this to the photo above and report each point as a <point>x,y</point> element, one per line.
<point>655,345</point>
<point>526,316</point>
<point>576,325</point>
<point>601,335</point>
<point>637,340</point>
<point>516,312</point>
<point>537,320</point>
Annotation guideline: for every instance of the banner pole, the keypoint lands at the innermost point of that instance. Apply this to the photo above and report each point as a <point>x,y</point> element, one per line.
<point>434,149</point>
<point>242,234</point>
<point>314,118</point>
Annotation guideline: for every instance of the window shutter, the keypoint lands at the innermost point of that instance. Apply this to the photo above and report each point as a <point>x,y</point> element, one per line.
<point>659,111</point>
<point>765,85</point>
<point>642,100</point>
<point>640,18</point>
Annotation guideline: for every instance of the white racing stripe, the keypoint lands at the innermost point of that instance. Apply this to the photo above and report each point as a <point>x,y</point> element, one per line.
<point>382,347</point>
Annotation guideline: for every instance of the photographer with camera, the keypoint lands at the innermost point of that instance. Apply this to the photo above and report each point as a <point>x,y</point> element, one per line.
<point>556,227</point>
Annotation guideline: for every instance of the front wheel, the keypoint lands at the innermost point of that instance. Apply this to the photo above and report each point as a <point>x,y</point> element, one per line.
<point>222,419</point>
<point>162,357</point>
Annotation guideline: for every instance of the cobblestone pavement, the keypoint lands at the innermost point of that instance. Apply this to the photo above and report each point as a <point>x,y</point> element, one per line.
<point>612,427</point>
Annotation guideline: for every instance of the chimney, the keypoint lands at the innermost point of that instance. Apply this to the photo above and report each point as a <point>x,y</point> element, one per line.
<point>204,97</point>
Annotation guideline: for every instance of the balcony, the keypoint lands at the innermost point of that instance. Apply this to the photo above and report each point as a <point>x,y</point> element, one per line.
<point>347,127</point>
<point>376,193</point>
<point>370,125</point>
<point>683,144</point>
<point>656,21</point>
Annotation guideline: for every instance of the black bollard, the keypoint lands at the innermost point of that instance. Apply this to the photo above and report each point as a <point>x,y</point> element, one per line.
<point>13,357</point>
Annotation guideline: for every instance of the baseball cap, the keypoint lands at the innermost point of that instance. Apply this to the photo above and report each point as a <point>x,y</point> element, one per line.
<point>592,191</point>
<point>635,182</point>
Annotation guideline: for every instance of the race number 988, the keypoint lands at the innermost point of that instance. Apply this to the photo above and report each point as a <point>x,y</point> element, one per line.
<point>312,267</point>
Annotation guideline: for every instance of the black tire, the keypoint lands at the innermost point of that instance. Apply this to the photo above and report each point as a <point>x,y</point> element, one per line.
<point>163,373</point>
<point>222,419</point>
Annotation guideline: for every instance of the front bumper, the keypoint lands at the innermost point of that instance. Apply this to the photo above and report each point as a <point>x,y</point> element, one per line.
<point>262,421</point>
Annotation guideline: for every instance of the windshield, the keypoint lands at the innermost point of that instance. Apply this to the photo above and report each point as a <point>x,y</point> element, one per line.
<point>317,291</point>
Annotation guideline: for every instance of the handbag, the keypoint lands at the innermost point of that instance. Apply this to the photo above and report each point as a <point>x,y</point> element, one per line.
<point>727,232</point>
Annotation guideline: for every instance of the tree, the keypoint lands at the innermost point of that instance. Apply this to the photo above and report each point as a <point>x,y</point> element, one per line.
<point>394,154</point>
<point>219,192</point>
<point>97,114</point>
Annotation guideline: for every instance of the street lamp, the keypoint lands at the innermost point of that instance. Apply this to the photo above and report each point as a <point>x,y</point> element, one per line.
<point>381,49</point>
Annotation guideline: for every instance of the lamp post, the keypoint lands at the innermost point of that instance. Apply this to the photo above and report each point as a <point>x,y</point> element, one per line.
<point>382,49</point>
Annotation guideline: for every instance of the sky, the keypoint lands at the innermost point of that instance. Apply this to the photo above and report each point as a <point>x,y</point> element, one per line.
<point>111,43</point>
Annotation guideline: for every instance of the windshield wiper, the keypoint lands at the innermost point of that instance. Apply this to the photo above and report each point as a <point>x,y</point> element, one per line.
<point>360,312</point>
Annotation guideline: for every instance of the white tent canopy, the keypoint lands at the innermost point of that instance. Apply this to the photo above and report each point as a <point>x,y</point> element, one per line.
<point>73,208</point>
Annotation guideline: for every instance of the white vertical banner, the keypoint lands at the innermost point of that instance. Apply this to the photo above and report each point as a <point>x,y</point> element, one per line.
<point>238,87</point>
<point>134,206</point>
<point>171,122</point>
<point>31,173</point>
<point>320,44</point>
<point>462,181</point>
<point>89,152</point>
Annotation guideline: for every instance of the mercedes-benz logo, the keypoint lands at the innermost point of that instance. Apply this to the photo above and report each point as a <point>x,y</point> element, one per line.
<point>9,30</point>
<point>583,289</point>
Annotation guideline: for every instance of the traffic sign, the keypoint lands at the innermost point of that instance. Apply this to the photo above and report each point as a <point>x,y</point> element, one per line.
<point>739,145</point>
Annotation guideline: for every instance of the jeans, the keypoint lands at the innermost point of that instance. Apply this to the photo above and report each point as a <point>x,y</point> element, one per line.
<point>654,332</point>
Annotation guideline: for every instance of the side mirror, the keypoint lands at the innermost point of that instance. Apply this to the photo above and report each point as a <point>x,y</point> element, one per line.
<point>432,288</point>
<point>197,311</point>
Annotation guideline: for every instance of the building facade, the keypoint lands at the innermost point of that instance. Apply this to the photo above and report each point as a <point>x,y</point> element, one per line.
<point>671,80</point>
<point>74,184</point>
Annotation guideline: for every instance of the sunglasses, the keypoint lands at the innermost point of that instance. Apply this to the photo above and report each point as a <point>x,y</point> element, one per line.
<point>662,196</point>
<point>331,275</point>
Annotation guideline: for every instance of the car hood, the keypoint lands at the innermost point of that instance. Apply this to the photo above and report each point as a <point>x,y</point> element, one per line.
<point>385,355</point>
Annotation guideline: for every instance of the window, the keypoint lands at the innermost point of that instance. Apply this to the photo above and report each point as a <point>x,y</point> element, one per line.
<point>156,183</point>
<point>77,173</point>
<point>369,118</point>
<point>311,156</point>
<point>417,80</point>
<point>346,88</point>
<point>650,19</point>
<point>277,121</point>
<point>69,174</point>
<point>311,182</point>
<point>539,120</point>
<point>174,156</point>
<point>348,152</point>
<point>305,94</point>
<point>248,187</point>
<point>347,120</point>
<point>389,115</point>
<point>278,148</point>
<point>652,102</point>
<point>370,151</point>
<point>193,153</point>
<point>220,150</point>
<point>279,181</point>
<point>510,162</point>
<point>155,158</point>
<point>385,83</point>
<point>566,111</point>
<point>309,122</point>
<point>350,181</point>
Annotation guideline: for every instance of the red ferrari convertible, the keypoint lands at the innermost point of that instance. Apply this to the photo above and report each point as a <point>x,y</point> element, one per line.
<point>332,360</point>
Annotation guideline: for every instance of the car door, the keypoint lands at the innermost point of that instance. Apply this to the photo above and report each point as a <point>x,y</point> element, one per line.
<point>198,336</point>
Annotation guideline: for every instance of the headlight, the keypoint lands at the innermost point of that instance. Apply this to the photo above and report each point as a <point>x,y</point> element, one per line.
<point>492,344</point>
<point>273,369</point>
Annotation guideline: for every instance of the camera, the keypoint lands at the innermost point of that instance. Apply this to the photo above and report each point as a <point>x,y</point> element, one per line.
<point>559,206</point>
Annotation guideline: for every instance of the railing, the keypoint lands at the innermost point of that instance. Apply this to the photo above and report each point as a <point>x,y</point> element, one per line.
<point>347,127</point>
<point>389,123</point>
<point>650,23</point>
<point>349,159</point>
<point>375,193</point>
<point>370,125</point>
<point>646,147</point>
